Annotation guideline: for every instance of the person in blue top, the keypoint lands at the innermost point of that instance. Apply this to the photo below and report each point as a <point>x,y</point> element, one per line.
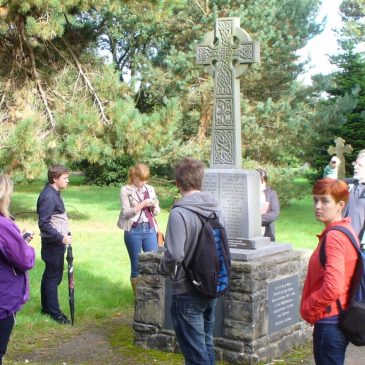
<point>53,225</point>
<point>331,170</point>
<point>16,258</point>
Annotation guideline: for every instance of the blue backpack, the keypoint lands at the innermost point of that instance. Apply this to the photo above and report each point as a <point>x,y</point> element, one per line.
<point>352,320</point>
<point>210,266</point>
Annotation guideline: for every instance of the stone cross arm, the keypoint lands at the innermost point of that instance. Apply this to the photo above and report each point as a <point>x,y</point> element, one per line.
<point>228,43</point>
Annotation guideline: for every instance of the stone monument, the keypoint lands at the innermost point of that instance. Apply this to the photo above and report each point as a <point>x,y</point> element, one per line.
<point>258,319</point>
<point>226,53</point>
<point>339,149</point>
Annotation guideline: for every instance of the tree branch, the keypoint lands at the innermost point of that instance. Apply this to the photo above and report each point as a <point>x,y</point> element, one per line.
<point>7,85</point>
<point>200,7</point>
<point>86,80</point>
<point>104,118</point>
<point>36,75</point>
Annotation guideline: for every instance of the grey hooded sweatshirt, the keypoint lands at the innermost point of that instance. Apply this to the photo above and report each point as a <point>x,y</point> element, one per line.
<point>182,233</point>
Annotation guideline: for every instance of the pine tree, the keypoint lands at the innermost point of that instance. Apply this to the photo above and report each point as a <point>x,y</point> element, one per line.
<point>161,58</point>
<point>342,113</point>
<point>72,105</point>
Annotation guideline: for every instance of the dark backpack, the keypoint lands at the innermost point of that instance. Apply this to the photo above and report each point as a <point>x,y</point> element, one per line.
<point>210,266</point>
<point>352,320</point>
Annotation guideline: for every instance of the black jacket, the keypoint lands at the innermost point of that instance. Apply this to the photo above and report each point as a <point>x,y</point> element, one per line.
<point>52,218</point>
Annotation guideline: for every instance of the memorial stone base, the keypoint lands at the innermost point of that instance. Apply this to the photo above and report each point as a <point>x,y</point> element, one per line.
<point>257,320</point>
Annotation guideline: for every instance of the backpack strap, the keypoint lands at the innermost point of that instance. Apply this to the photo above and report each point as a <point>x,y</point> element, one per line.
<point>322,252</point>
<point>350,236</point>
<point>203,219</point>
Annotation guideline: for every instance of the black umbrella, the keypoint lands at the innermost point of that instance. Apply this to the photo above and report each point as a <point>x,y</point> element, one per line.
<point>71,282</point>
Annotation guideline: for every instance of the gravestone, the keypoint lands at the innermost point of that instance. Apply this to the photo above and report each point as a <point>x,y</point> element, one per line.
<point>258,319</point>
<point>339,150</point>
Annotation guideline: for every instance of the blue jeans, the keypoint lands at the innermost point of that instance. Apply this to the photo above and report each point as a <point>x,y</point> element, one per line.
<point>329,344</point>
<point>193,319</point>
<point>138,238</point>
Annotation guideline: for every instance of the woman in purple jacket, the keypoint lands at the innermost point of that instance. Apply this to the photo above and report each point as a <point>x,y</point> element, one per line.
<point>16,257</point>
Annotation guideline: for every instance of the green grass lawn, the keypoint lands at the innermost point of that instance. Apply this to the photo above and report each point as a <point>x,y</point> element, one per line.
<point>101,261</point>
<point>297,225</point>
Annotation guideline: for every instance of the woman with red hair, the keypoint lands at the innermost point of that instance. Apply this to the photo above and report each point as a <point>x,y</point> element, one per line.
<point>324,286</point>
<point>139,205</point>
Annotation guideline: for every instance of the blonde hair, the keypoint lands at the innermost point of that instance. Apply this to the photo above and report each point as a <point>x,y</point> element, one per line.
<point>139,170</point>
<point>6,189</point>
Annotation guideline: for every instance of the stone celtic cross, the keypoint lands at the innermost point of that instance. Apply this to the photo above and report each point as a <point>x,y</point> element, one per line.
<point>226,53</point>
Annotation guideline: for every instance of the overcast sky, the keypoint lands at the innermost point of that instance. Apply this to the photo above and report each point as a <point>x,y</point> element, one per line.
<point>323,45</point>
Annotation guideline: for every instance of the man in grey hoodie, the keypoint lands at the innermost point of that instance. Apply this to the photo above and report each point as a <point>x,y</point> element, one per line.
<point>192,314</point>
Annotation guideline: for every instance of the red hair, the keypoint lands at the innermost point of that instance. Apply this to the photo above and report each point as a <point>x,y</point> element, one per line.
<point>140,170</point>
<point>338,189</point>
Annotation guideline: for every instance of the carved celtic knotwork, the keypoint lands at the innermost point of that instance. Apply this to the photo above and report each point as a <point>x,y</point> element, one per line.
<point>223,113</point>
<point>226,52</point>
<point>203,54</point>
<point>225,31</point>
<point>224,80</point>
<point>223,147</point>
<point>245,52</point>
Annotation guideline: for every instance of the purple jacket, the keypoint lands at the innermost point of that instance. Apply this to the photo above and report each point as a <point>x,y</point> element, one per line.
<point>16,257</point>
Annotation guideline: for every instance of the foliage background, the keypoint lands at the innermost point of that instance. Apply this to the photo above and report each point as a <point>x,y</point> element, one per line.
<point>100,84</point>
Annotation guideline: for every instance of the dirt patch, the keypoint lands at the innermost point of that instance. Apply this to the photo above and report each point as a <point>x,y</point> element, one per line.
<point>111,343</point>
<point>92,346</point>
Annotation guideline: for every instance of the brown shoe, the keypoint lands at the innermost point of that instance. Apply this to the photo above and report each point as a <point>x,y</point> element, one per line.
<point>134,285</point>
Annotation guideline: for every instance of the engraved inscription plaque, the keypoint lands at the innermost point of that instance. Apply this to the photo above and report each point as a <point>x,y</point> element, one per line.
<point>233,202</point>
<point>211,184</point>
<point>283,301</point>
<point>232,189</point>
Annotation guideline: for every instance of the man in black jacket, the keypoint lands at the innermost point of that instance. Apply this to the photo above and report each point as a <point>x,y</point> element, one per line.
<point>53,224</point>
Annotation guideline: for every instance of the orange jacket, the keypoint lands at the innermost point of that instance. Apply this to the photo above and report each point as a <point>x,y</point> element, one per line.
<point>322,287</point>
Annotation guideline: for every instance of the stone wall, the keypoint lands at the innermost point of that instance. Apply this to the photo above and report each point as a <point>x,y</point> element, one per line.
<point>246,338</point>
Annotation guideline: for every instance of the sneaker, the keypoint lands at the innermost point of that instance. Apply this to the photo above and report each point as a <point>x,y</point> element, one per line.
<point>62,319</point>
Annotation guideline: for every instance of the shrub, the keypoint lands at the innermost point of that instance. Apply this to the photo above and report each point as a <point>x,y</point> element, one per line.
<point>112,172</point>
<point>289,182</point>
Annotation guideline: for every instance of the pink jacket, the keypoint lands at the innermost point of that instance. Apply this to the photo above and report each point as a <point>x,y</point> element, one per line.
<point>322,287</point>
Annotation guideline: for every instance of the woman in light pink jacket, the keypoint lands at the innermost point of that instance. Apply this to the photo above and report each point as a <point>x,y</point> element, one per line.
<point>139,205</point>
